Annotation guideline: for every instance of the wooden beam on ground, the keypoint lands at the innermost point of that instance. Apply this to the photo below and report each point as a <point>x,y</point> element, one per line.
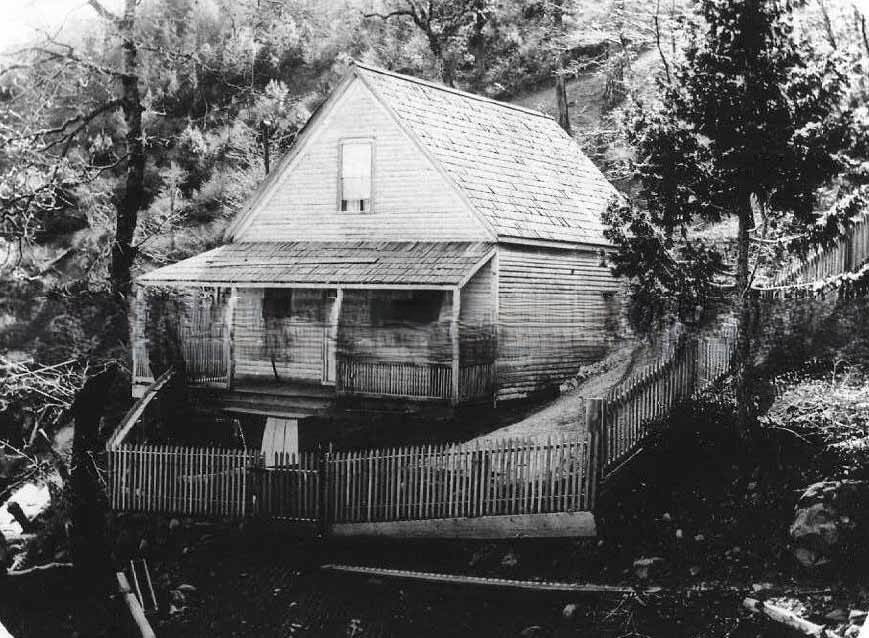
<point>558,525</point>
<point>136,611</point>
<point>499,583</point>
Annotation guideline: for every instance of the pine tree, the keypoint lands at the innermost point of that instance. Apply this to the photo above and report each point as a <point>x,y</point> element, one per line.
<point>749,125</point>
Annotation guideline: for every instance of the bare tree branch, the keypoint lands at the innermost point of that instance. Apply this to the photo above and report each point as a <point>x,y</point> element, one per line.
<point>103,12</point>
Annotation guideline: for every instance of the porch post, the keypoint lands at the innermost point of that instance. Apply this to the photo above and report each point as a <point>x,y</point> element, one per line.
<point>454,335</point>
<point>332,339</point>
<point>228,336</point>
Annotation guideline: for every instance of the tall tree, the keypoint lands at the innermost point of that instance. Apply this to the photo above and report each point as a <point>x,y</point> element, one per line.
<point>447,25</point>
<point>750,125</point>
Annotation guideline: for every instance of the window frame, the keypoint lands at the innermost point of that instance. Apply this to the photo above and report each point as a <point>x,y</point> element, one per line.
<point>350,140</point>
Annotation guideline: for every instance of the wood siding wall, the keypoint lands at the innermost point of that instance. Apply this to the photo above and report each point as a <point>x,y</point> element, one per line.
<point>557,310</point>
<point>477,318</point>
<point>412,200</point>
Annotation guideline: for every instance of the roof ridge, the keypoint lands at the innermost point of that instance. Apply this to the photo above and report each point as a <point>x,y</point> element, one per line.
<point>449,89</point>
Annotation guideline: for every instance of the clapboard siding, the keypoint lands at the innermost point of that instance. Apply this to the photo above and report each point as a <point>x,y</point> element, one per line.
<point>477,318</point>
<point>302,361</point>
<point>477,302</point>
<point>556,311</point>
<point>412,199</point>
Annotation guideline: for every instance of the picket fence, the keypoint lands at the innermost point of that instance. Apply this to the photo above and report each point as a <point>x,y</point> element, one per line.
<point>625,414</point>
<point>405,483</point>
<point>847,254</point>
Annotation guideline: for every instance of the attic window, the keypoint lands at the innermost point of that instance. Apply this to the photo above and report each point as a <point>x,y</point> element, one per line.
<point>355,179</point>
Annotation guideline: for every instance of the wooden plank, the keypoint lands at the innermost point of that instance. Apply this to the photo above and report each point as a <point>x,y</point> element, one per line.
<point>500,583</point>
<point>554,525</point>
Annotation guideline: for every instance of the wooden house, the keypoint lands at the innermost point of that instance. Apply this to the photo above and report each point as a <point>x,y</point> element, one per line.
<point>418,243</point>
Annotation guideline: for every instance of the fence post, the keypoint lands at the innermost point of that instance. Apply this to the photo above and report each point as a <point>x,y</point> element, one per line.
<point>693,366</point>
<point>324,456</point>
<point>594,419</point>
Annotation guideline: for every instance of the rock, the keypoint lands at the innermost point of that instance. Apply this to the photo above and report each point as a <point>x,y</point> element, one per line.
<point>699,538</point>
<point>510,559</point>
<point>694,570</point>
<point>830,519</point>
<point>645,568</point>
<point>666,517</point>
<point>569,611</point>
<point>679,534</point>
<point>174,525</point>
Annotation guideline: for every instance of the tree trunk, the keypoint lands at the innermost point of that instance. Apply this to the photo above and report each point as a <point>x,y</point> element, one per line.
<point>127,209</point>
<point>561,99</point>
<point>744,406</point>
<point>446,69</point>
<point>89,540</point>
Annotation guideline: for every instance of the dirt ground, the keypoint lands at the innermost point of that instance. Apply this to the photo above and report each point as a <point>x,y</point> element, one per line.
<point>565,415</point>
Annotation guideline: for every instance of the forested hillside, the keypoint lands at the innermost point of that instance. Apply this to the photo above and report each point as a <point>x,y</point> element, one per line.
<point>129,138</point>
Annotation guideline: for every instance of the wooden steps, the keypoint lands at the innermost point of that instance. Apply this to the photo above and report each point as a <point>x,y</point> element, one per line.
<point>287,400</point>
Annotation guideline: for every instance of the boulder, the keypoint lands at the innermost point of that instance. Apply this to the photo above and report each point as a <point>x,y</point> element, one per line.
<point>830,517</point>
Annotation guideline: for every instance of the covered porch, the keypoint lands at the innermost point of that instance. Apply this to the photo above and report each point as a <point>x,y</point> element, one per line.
<point>399,320</point>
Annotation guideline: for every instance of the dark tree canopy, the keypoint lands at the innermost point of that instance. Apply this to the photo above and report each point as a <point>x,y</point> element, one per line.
<point>751,124</point>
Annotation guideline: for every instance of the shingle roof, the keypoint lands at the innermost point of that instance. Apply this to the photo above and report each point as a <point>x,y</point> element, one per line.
<point>326,263</point>
<point>518,168</point>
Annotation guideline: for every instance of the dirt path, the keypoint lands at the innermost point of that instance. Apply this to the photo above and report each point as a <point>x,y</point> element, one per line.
<point>565,416</point>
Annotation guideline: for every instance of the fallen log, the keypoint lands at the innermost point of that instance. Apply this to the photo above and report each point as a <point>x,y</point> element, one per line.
<point>788,618</point>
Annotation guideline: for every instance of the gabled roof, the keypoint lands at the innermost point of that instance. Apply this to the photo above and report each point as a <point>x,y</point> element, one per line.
<point>350,264</point>
<point>517,167</point>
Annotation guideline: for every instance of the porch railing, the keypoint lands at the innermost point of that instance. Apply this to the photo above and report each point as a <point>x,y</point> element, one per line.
<point>476,381</point>
<point>405,380</point>
<point>206,358</point>
<point>409,380</point>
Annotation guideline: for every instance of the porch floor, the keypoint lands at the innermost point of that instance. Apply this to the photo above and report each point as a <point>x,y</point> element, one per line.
<point>290,388</point>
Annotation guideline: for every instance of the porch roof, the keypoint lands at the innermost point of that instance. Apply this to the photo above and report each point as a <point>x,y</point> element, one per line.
<point>306,264</point>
